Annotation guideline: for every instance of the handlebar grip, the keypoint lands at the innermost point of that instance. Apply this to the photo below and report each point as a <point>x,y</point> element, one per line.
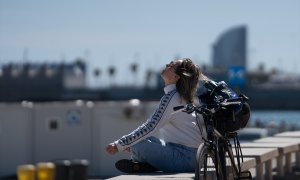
<point>230,103</point>
<point>176,108</point>
<point>238,99</point>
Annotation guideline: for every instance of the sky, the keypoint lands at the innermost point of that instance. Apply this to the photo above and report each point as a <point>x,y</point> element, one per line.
<point>151,33</point>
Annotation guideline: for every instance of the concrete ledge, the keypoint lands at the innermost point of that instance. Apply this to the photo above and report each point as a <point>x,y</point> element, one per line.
<point>246,165</point>
<point>292,134</point>
<point>258,156</point>
<point>285,150</point>
<point>155,176</point>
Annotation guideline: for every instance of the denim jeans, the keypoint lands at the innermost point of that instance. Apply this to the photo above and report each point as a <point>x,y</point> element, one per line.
<point>167,157</point>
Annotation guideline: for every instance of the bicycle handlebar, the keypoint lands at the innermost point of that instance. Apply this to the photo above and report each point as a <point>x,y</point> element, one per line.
<point>176,108</point>
<point>189,108</point>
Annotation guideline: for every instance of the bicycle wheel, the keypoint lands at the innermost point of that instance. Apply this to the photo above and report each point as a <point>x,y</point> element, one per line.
<point>208,164</point>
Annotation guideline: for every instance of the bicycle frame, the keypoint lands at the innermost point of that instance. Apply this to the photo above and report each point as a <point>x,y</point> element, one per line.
<point>218,143</point>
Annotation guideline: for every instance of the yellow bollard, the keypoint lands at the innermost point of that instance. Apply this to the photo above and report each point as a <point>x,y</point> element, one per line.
<point>26,172</point>
<point>45,171</point>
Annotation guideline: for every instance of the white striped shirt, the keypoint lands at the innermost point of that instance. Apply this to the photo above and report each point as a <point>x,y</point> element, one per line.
<point>166,124</point>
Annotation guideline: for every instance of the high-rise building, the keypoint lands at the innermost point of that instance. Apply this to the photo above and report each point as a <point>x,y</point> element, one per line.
<point>230,49</point>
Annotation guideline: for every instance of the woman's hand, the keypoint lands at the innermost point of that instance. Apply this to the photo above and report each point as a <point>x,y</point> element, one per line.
<point>112,148</point>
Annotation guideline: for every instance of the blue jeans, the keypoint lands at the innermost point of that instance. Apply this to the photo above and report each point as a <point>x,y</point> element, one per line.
<point>167,157</point>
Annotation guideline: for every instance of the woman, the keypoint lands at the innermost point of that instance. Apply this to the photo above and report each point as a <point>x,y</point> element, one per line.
<point>169,139</point>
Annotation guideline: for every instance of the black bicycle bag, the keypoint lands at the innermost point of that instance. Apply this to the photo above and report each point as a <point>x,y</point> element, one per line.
<point>232,117</point>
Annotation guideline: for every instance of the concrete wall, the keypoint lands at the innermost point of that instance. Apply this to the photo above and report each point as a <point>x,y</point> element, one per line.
<point>16,137</point>
<point>110,123</point>
<point>62,131</point>
<point>32,133</point>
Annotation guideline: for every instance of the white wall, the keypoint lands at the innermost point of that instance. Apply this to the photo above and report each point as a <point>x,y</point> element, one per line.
<point>80,130</point>
<point>70,136</point>
<point>110,123</point>
<point>16,137</point>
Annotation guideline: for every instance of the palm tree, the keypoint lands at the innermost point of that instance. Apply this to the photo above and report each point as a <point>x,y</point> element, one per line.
<point>97,73</point>
<point>134,69</point>
<point>111,73</point>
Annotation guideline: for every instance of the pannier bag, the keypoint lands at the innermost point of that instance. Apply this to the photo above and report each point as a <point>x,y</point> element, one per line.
<point>231,118</point>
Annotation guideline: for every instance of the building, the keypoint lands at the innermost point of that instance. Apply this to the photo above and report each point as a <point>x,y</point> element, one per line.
<point>40,82</point>
<point>230,49</point>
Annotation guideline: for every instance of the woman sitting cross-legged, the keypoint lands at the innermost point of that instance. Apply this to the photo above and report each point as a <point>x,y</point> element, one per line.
<point>169,139</point>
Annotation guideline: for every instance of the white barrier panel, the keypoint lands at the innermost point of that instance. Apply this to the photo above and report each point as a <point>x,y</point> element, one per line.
<point>16,138</point>
<point>62,130</point>
<point>111,120</point>
<point>33,133</point>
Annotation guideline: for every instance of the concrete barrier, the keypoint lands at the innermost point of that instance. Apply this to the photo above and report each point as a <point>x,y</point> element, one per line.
<point>62,131</point>
<point>16,137</point>
<point>34,132</point>
<point>110,122</point>
<point>285,150</point>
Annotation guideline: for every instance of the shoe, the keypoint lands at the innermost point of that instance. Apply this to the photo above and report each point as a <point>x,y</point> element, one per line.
<point>129,166</point>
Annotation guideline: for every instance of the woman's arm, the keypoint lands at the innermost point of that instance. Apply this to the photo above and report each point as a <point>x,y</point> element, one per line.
<point>161,116</point>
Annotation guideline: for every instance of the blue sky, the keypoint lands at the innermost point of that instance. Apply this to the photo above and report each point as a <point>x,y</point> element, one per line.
<point>120,32</point>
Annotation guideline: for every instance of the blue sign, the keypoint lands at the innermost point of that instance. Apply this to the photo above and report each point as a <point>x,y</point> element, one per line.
<point>73,117</point>
<point>236,76</point>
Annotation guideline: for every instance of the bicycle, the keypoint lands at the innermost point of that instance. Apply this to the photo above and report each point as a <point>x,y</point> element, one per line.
<point>211,154</point>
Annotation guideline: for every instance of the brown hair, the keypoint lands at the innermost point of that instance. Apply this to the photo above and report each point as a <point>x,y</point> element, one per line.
<point>189,76</point>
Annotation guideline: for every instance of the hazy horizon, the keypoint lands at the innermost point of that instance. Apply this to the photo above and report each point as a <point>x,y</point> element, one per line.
<point>150,33</point>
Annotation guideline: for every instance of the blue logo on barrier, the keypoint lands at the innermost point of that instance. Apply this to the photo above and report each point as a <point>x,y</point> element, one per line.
<point>73,117</point>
